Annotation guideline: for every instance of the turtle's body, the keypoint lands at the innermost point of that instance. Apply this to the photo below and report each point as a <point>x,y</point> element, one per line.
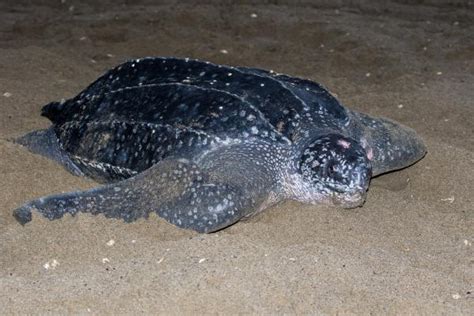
<point>204,145</point>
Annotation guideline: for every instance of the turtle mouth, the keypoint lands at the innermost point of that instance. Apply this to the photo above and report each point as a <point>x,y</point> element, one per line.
<point>349,199</point>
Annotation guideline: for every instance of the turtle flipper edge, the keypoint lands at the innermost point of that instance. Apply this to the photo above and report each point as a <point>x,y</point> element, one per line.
<point>44,142</point>
<point>176,189</point>
<point>391,145</point>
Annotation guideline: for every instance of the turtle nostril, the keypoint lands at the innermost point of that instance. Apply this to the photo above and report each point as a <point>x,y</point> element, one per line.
<point>361,178</point>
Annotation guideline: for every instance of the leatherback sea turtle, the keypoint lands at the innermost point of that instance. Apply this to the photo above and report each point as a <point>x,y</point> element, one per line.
<point>206,145</point>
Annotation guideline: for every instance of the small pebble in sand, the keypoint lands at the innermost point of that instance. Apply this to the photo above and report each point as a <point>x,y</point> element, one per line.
<point>202,260</point>
<point>224,51</point>
<point>400,106</point>
<point>449,199</point>
<point>83,38</point>
<point>456,296</point>
<point>51,264</point>
<point>331,50</point>
<point>425,48</point>
<point>93,61</point>
<point>292,259</point>
<point>110,55</point>
<point>105,260</point>
<point>253,15</point>
<point>439,73</point>
<point>456,23</point>
<point>322,45</point>
<point>110,243</point>
<point>467,243</point>
<point>161,260</point>
<point>133,241</point>
<point>7,94</point>
<point>367,74</point>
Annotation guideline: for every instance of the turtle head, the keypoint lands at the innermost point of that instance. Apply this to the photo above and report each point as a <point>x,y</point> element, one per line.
<point>337,169</point>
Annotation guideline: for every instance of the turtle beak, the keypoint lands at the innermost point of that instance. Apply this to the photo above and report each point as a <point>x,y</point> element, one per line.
<point>354,195</point>
<point>349,200</point>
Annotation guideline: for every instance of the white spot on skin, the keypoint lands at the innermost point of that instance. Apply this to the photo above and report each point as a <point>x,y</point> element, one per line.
<point>251,117</point>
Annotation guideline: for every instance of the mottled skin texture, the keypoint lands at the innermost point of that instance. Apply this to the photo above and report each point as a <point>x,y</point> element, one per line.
<point>205,145</point>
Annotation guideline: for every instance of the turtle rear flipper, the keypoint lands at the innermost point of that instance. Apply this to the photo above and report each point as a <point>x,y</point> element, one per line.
<point>44,142</point>
<point>177,190</point>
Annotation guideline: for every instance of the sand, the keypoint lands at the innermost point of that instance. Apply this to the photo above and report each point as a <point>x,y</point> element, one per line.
<point>408,250</point>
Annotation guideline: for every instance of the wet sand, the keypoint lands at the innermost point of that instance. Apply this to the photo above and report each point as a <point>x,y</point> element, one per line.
<point>408,250</point>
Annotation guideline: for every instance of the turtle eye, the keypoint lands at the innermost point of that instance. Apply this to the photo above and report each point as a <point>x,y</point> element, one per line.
<point>329,170</point>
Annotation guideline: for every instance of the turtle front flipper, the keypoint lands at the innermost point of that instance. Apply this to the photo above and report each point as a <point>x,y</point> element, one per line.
<point>389,145</point>
<point>177,190</point>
